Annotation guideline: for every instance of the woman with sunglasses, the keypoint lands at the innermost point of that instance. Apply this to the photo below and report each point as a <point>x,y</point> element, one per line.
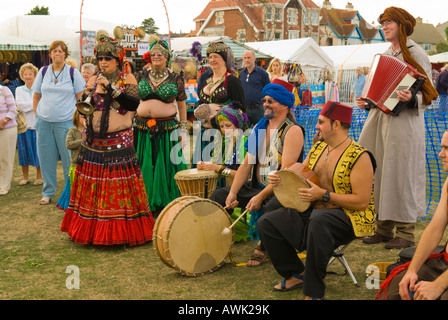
<point>162,94</point>
<point>108,203</point>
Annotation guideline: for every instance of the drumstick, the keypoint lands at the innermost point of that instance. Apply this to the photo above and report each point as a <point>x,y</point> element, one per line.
<point>227,230</point>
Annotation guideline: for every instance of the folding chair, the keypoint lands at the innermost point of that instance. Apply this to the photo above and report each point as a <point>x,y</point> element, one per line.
<point>338,253</point>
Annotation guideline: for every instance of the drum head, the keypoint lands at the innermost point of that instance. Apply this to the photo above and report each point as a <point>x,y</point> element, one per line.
<point>193,243</point>
<point>286,190</point>
<point>195,174</point>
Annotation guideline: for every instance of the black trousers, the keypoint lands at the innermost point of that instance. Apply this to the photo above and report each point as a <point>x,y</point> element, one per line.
<point>285,231</point>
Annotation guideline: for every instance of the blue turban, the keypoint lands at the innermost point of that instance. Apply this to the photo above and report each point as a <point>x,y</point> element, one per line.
<point>279,94</point>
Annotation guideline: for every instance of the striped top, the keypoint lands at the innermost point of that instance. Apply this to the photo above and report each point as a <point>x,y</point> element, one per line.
<point>7,107</point>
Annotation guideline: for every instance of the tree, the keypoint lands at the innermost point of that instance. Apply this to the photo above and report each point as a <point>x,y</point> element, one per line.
<point>150,26</point>
<point>39,11</point>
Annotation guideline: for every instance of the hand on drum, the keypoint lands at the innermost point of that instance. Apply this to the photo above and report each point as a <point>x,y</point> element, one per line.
<point>311,194</point>
<point>210,166</point>
<point>273,178</point>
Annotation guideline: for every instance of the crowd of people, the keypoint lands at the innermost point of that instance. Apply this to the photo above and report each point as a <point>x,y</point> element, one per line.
<point>116,151</point>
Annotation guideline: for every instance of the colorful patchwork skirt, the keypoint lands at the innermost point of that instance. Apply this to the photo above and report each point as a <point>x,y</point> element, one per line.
<point>108,204</point>
<point>160,158</point>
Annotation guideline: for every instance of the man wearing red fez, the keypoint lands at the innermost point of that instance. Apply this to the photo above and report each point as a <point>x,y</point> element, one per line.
<point>342,206</point>
<point>398,142</point>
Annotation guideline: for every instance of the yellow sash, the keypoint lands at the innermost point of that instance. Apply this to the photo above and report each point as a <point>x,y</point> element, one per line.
<point>362,221</point>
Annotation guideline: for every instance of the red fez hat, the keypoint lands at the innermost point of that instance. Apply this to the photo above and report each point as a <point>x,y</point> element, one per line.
<point>337,111</point>
<point>287,85</point>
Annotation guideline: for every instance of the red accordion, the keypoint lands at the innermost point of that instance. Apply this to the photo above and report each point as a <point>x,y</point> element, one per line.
<point>387,75</point>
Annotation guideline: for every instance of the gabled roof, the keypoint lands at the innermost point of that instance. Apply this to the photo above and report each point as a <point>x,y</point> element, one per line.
<point>339,21</point>
<point>252,10</point>
<point>426,33</point>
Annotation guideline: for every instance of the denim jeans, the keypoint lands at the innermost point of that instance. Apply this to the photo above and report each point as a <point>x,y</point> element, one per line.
<point>50,148</point>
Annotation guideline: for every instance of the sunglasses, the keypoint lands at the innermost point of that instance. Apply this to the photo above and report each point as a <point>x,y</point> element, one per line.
<point>105,58</point>
<point>158,55</point>
<point>269,101</point>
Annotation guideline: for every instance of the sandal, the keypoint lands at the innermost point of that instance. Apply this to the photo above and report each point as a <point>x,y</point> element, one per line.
<point>37,182</point>
<point>23,182</point>
<point>44,201</point>
<point>261,258</point>
<point>294,287</point>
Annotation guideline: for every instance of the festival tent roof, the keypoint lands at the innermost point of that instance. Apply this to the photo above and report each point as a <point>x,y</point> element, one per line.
<point>14,43</point>
<point>304,51</point>
<point>439,58</point>
<point>352,56</point>
<point>238,48</point>
<point>47,28</point>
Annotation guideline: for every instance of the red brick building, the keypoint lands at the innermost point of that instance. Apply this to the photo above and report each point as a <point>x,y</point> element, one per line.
<point>259,20</point>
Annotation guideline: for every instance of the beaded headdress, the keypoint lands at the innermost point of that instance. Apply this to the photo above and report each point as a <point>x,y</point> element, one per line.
<point>109,47</point>
<point>162,46</point>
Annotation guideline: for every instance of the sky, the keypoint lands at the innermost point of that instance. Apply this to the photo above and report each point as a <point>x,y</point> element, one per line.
<point>182,12</point>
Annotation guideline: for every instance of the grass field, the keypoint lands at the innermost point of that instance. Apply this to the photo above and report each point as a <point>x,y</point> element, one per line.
<point>35,255</point>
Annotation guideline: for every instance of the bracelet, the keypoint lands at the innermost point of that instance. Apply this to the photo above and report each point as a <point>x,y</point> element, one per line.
<point>5,121</point>
<point>183,124</point>
<point>226,172</point>
<point>220,169</point>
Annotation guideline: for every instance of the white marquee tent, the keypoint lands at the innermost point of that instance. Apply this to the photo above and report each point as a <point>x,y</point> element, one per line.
<point>352,56</point>
<point>304,51</point>
<point>439,58</point>
<point>47,28</point>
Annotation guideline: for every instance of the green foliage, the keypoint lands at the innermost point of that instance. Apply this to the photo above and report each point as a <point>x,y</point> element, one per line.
<point>39,11</point>
<point>150,26</point>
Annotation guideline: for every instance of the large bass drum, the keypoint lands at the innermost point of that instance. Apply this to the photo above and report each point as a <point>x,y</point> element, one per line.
<point>188,235</point>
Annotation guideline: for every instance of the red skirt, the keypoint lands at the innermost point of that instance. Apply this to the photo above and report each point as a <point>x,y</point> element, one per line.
<point>108,203</point>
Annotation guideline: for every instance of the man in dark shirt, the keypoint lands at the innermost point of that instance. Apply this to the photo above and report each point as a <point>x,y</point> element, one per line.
<point>442,81</point>
<point>253,79</point>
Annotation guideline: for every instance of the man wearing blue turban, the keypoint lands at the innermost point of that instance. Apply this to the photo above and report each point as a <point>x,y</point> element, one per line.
<point>265,153</point>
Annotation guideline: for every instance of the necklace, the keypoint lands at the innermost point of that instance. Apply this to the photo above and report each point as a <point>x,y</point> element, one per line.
<point>211,84</point>
<point>158,75</point>
<point>56,77</point>
<point>328,150</point>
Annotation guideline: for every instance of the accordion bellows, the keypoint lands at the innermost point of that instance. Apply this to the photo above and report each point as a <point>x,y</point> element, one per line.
<point>387,75</point>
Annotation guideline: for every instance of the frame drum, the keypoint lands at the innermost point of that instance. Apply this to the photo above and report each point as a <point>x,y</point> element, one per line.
<point>194,182</point>
<point>188,235</point>
<point>291,178</point>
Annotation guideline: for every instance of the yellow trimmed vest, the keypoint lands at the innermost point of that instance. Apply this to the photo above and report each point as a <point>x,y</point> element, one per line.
<point>362,221</point>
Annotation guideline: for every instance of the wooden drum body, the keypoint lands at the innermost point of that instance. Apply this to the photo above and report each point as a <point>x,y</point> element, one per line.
<point>292,178</point>
<point>194,182</point>
<point>188,235</point>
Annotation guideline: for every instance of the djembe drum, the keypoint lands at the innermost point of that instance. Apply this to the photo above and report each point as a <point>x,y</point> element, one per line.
<point>188,235</point>
<point>291,178</point>
<point>194,182</point>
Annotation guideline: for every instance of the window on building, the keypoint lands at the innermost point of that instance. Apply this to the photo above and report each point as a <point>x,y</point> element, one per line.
<point>278,14</point>
<point>426,47</point>
<point>306,18</point>
<point>293,34</point>
<point>278,36</point>
<point>292,16</point>
<point>315,18</point>
<point>219,17</point>
<point>268,13</point>
<point>241,35</point>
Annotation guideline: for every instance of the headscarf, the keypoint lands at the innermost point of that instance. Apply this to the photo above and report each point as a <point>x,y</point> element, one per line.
<point>280,94</point>
<point>406,23</point>
<point>234,115</point>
